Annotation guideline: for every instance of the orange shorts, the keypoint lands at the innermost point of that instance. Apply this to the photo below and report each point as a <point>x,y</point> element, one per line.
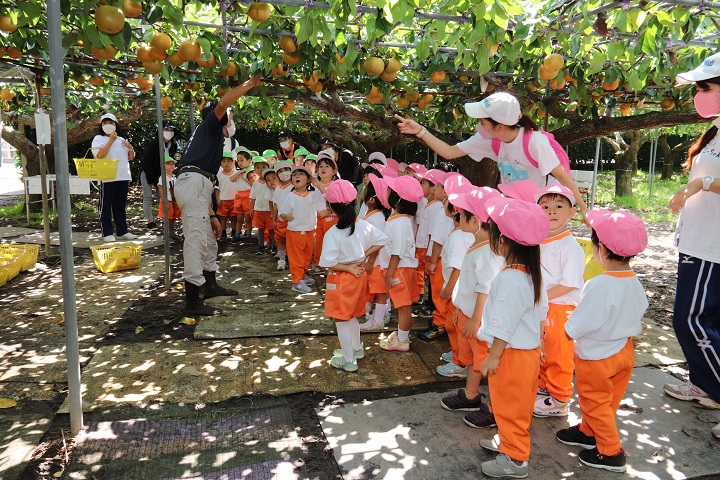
<point>173,208</point>
<point>472,352</point>
<point>242,203</point>
<point>345,295</point>
<point>261,220</point>
<point>280,229</point>
<point>376,281</point>
<point>420,271</point>
<point>405,290</point>
<point>225,208</point>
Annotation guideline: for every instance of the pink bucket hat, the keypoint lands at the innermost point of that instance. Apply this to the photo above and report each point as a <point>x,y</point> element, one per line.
<point>381,189</point>
<point>435,176</point>
<point>456,183</point>
<point>407,187</point>
<point>474,200</point>
<point>340,191</point>
<point>622,232</point>
<point>519,220</point>
<point>522,190</point>
<point>402,166</point>
<point>392,164</point>
<point>558,190</point>
<point>418,168</point>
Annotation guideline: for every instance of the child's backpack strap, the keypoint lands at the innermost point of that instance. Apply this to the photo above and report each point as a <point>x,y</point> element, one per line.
<point>527,134</point>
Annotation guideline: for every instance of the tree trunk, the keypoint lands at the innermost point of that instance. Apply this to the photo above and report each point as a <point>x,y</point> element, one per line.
<point>625,160</point>
<point>669,156</point>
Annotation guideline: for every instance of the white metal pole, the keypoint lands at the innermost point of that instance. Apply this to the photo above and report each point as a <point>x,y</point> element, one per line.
<point>57,54</point>
<point>163,181</point>
<point>595,172</point>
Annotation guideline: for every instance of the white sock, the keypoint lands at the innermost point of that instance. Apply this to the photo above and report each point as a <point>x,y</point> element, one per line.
<point>281,254</point>
<point>389,304</point>
<point>346,339</point>
<point>379,317</point>
<point>403,335</point>
<point>368,307</point>
<point>355,330</point>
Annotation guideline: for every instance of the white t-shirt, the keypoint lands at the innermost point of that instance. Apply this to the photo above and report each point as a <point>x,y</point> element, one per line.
<point>280,194</point>
<point>227,187</point>
<point>402,243</point>
<point>610,311</point>
<point>510,313</point>
<point>453,252</point>
<point>422,234</point>
<point>303,207</point>
<point>363,210</point>
<point>261,193</point>
<point>478,269</point>
<point>698,228</point>
<point>440,225</point>
<point>341,247</point>
<point>563,263</point>
<point>377,220</point>
<point>170,183</point>
<point>116,152</point>
<point>228,147</point>
<point>512,162</point>
<point>242,184</point>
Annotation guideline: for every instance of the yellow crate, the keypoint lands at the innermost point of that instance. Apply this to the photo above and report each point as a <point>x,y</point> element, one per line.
<point>25,251</point>
<point>98,168</point>
<point>592,268</point>
<point>10,266</point>
<point>113,258</point>
<point>4,272</point>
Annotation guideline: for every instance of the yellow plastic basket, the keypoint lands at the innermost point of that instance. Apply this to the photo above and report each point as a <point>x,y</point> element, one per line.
<point>11,266</point>
<point>4,272</point>
<point>97,168</point>
<point>113,258</point>
<point>27,252</point>
<point>592,268</point>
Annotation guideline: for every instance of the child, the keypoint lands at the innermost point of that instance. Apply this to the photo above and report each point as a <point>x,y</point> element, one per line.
<point>300,211</point>
<point>260,206</point>
<point>515,308</point>
<point>350,246</point>
<point>563,262</point>
<point>403,195</point>
<point>326,173</point>
<point>375,197</point>
<point>605,320</point>
<point>241,205</point>
<point>310,163</point>
<point>299,157</point>
<point>479,266</point>
<point>279,194</point>
<point>173,210</point>
<point>452,254</point>
<point>225,192</point>
<point>422,240</point>
<point>270,156</point>
<point>522,190</point>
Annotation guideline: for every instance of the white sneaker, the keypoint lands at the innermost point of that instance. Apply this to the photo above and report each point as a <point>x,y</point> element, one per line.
<point>452,370</point>
<point>281,264</point>
<point>127,236</point>
<point>109,238</point>
<point>550,407</point>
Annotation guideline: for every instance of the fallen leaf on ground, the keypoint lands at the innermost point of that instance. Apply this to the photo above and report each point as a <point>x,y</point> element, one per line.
<point>188,321</point>
<point>139,329</point>
<point>7,403</point>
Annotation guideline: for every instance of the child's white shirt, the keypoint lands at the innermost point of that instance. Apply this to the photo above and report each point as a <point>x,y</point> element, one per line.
<point>363,210</point>
<point>431,211</point>
<point>479,266</point>
<point>563,263</point>
<point>261,193</point>
<point>610,311</point>
<point>227,187</point>
<point>422,235</point>
<point>339,246</point>
<point>377,220</point>
<point>440,226</point>
<point>170,183</point>
<point>302,206</point>
<point>511,314</point>
<point>242,184</point>
<point>454,251</point>
<point>280,194</point>
<point>402,242</point>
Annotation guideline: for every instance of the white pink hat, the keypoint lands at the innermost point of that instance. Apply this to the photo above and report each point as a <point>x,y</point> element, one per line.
<point>474,200</point>
<point>402,166</point>
<point>302,169</point>
<point>501,107</point>
<point>435,176</point>
<point>406,187</point>
<point>381,189</point>
<point>519,220</point>
<point>375,157</point>
<point>622,232</point>
<point>340,191</point>
<point>419,169</point>
<point>456,183</point>
<point>522,190</point>
<point>556,189</point>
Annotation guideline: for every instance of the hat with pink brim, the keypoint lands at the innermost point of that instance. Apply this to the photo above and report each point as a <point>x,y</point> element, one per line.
<point>456,183</point>
<point>518,220</point>
<point>473,201</point>
<point>622,232</point>
<point>381,189</point>
<point>418,168</point>
<point>522,190</point>
<point>556,189</point>
<point>340,191</point>
<point>402,166</point>
<point>406,187</point>
<point>435,176</point>
<point>392,164</point>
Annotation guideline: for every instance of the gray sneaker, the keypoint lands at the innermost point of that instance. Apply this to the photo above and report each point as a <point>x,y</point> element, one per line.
<point>492,444</point>
<point>502,466</point>
<point>308,280</point>
<point>301,287</point>
<point>359,353</point>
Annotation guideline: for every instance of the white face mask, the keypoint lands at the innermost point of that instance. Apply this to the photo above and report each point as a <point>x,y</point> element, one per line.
<point>108,128</point>
<point>231,128</point>
<point>285,175</point>
<point>168,135</point>
<point>285,144</point>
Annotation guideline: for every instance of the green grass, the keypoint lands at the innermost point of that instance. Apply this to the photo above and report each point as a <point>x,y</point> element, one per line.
<point>653,210</point>
<point>16,214</point>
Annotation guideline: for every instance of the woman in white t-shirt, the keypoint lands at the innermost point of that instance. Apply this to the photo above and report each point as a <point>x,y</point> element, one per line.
<point>113,192</point>
<point>696,317</point>
<point>501,119</point>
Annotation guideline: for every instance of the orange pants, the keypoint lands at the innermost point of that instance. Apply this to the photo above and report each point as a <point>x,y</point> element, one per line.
<point>299,253</point>
<point>452,332</point>
<point>261,219</point>
<point>323,225</point>
<point>345,295</point>
<point>512,396</point>
<point>241,205</point>
<point>376,283</point>
<point>280,230</point>
<point>557,373</point>
<point>601,385</point>
<point>404,291</point>
<point>420,272</point>
<point>436,285</point>
<point>173,208</point>
<point>225,208</point>
<point>471,352</point>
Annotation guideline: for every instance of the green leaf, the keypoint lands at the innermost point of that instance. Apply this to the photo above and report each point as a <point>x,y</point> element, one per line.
<point>206,47</point>
<point>634,81</point>
<point>422,50</point>
<point>500,16</point>
<point>155,14</point>
<point>92,34</point>
<point>597,62</point>
<point>649,40</point>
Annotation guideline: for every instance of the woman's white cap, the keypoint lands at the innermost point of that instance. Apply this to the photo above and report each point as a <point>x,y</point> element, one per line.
<point>108,116</point>
<point>501,107</point>
<point>709,68</point>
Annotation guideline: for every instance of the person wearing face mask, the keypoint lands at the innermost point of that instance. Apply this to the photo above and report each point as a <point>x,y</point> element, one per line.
<point>288,148</point>
<point>349,167</point>
<point>113,193</point>
<point>696,317</point>
<point>194,188</point>
<point>501,119</point>
<point>150,167</point>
